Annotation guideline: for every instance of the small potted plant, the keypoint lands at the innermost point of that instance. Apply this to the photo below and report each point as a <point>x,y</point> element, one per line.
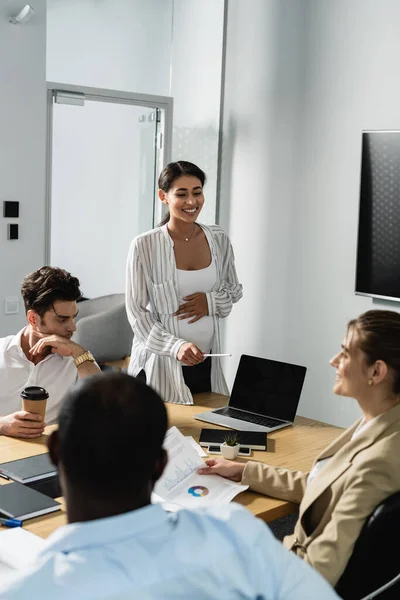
<point>230,446</point>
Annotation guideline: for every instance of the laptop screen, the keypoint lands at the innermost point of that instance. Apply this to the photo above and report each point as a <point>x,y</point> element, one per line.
<point>267,387</point>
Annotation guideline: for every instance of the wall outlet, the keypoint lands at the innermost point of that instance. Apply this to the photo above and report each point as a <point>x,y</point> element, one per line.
<point>11,305</point>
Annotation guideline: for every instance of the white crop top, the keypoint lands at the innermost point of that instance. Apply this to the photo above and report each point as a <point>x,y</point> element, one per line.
<point>201,332</point>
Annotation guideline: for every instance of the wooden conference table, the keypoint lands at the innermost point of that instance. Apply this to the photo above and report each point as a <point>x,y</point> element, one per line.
<point>293,447</point>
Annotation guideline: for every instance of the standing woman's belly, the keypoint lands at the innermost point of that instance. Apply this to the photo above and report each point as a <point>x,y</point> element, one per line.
<point>200,333</point>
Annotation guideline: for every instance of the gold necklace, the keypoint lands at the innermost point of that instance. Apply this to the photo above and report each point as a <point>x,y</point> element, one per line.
<point>187,239</point>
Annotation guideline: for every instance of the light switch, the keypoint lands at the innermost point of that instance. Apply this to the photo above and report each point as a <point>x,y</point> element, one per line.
<point>11,305</point>
<point>10,209</point>
<point>12,231</point>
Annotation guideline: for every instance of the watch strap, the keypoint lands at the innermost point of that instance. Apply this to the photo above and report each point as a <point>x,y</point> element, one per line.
<point>86,356</point>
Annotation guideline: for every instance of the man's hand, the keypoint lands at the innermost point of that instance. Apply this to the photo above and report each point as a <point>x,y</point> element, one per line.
<point>194,308</point>
<point>225,468</point>
<point>22,424</point>
<point>189,354</point>
<point>58,345</point>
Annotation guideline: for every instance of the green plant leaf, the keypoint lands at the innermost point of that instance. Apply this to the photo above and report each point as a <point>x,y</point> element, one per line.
<point>231,439</point>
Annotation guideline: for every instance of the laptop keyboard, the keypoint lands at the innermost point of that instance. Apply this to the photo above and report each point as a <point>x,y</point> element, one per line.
<point>258,420</point>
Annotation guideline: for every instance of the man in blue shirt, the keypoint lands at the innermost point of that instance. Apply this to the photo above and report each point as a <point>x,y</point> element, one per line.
<point>109,453</point>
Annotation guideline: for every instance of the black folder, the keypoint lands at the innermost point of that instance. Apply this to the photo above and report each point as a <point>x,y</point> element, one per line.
<point>18,501</point>
<point>256,440</point>
<point>28,470</point>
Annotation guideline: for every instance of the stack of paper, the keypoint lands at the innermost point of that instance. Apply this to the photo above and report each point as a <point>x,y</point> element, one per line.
<point>18,548</point>
<point>181,485</point>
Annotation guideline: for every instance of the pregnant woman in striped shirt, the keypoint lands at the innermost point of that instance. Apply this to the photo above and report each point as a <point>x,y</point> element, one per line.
<point>181,280</point>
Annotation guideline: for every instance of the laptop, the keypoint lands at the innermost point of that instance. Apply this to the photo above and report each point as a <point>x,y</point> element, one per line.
<point>265,396</point>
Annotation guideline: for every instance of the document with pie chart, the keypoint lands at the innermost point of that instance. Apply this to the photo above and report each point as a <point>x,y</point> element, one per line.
<point>181,486</point>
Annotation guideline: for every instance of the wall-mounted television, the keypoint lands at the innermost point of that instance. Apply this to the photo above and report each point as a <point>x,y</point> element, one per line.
<point>378,247</point>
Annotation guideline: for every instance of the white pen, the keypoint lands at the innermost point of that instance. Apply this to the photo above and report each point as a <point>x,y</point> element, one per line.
<point>205,355</point>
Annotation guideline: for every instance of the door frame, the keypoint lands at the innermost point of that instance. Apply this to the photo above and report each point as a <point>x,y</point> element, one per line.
<point>163,103</point>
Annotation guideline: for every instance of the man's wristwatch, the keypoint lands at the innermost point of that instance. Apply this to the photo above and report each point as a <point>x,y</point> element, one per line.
<point>86,356</point>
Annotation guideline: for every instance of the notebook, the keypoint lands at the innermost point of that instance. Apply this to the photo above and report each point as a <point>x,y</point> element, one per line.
<point>256,440</point>
<point>265,396</point>
<point>27,470</point>
<point>19,501</point>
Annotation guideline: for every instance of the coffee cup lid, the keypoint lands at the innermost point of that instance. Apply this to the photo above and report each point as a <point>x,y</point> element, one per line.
<point>34,392</point>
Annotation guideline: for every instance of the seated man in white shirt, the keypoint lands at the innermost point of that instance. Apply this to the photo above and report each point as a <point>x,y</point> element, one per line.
<point>109,454</point>
<point>42,354</point>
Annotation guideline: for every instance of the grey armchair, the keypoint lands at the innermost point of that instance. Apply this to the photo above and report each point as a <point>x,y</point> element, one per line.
<point>103,328</point>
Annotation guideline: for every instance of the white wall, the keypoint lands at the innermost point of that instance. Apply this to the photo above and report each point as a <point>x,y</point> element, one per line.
<point>22,149</point>
<point>196,69</point>
<point>352,83</point>
<point>314,74</point>
<point>263,70</point>
<point>115,44</point>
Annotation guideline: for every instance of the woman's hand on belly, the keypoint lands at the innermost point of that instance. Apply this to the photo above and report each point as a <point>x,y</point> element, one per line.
<point>194,308</point>
<point>189,354</point>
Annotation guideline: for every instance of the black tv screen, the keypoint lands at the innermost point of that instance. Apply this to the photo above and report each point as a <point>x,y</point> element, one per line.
<point>378,248</point>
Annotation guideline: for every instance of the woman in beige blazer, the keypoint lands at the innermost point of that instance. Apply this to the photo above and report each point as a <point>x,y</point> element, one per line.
<point>359,469</point>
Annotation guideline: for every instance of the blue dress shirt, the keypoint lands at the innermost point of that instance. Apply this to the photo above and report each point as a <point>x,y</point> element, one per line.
<point>221,552</point>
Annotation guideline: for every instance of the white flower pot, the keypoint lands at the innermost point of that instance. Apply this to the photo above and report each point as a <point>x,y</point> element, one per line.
<point>230,452</point>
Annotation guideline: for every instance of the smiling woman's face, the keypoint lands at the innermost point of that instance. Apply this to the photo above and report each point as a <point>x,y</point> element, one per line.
<point>184,199</point>
<point>352,371</point>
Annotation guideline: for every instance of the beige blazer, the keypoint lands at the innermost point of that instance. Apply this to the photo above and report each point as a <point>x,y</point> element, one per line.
<point>360,474</point>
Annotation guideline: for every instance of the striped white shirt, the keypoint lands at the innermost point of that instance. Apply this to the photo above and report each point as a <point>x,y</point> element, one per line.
<point>152,298</point>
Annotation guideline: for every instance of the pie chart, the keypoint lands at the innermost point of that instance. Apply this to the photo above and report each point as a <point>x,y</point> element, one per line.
<point>198,491</point>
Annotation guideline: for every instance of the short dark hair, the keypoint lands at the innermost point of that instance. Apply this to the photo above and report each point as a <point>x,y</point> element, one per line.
<point>174,170</point>
<point>379,339</point>
<point>47,285</point>
<point>111,424</point>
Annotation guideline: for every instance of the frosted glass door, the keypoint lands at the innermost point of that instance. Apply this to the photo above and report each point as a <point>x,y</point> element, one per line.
<point>102,190</point>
